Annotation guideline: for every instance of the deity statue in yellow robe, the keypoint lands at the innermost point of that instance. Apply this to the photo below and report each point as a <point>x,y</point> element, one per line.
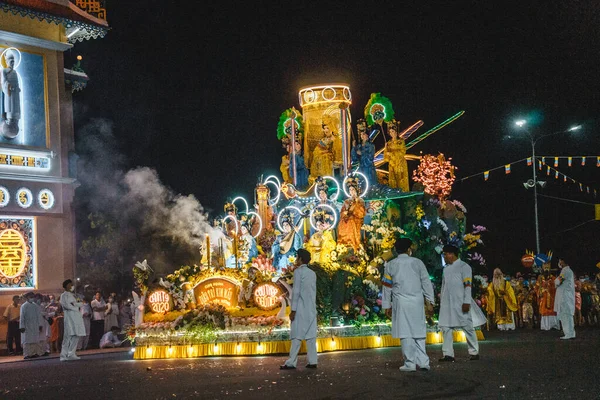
<point>322,156</point>
<point>395,155</point>
<point>321,243</point>
<point>501,302</point>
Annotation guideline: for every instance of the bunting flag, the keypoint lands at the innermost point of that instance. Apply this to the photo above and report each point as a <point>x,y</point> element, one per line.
<point>580,187</point>
<point>582,161</point>
<point>540,165</point>
<point>548,170</point>
<point>486,175</point>
<point>565,178</point>
<point>588,189</point>
<point>543,160</point>
<point>529,162</point>
<point>556,161</point>
<point>507,169</point>
<point>570,161</point>
<point>597,161</point>
<point>556,175</point>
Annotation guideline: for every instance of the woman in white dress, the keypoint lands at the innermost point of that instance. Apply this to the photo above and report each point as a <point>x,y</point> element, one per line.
<point>111,315</point>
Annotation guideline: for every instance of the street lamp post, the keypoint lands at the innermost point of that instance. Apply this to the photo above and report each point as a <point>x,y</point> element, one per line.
<point>534,182</point>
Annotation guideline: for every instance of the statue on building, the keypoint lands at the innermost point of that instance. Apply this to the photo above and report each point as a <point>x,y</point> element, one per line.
<point>322,156</point>
<point>11,95</point>
<point>352,216</point>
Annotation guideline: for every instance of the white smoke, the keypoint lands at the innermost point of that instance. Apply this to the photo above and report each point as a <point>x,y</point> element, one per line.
<point>164,212</point>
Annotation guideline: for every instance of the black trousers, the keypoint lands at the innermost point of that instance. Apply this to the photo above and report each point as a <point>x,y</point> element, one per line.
<point>13,335</point>
<point>96,332</point>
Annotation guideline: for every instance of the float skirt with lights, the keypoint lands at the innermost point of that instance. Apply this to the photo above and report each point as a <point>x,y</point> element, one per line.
<point>252,343</point>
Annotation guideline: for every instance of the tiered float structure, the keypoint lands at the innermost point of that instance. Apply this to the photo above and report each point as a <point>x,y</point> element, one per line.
<point>344,195</point>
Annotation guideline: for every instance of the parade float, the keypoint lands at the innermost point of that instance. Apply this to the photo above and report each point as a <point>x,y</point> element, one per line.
<point>345,195</point>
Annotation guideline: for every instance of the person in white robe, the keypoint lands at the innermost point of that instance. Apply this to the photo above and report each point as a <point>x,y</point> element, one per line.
<point>111,315</point>
<point>45,333</point>
<point>564,302</point>
<point>304,312</point>
<point>73,323</point>
<point>86,315</point>
<point>31,327</point>
<point>456,305</point>
<point>111,339</point>
<point>406,286</point>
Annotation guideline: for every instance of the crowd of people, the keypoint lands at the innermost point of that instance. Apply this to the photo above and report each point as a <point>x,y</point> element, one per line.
<point>39,325</point>
<point>531,301</point>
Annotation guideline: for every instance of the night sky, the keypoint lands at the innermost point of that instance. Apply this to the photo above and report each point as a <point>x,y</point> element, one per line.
<point>195,91</point>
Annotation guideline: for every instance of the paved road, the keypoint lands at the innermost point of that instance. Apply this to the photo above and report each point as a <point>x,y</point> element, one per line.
<point>519,365</point>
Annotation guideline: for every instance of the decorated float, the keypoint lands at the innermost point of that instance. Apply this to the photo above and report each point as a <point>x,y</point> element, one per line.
<point>344,194</point>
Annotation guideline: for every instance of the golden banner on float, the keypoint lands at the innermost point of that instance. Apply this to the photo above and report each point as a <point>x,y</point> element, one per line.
<point>217,291</point>
<point>266,296</point>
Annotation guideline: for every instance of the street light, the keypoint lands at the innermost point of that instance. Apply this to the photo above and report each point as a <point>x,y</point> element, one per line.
<point>533,183</point>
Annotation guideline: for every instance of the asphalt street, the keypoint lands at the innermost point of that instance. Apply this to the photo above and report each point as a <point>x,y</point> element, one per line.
<point>513,365</point>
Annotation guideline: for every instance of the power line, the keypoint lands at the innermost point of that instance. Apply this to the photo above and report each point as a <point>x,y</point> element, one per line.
<point>561,198</point>
<point>570,229</point>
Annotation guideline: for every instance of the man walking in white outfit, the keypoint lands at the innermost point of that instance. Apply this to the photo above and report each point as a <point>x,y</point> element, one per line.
<point>406,286</point>
<point>455,304</point>
<point>304,312</point>
<point>564,302</point>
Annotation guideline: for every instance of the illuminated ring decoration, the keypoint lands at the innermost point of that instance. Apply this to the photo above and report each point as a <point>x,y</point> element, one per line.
<point>50,199</point>
<point>334,217</point>
<point>366,186</point>
<point>277,186</point>
<point>245,202</point>
<point>260,223</point>
<point>16,63</point>
<point>281,213</point>
<point>325,97</point>
<point>337,193</point>
<point>29,197</point>
<point>6,194</point>
<point>347,94</point>
<point>237,227</point>
<point>309,96</point>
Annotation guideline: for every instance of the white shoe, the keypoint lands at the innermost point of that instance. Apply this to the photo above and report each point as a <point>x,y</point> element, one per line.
<point>64,359</point>
<point>73,357</point>
<point>404,368</point>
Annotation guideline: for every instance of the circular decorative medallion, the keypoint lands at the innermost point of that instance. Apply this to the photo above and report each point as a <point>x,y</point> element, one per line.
<point>4,196</point>
<point>24,198</point>
<point>46,199</point>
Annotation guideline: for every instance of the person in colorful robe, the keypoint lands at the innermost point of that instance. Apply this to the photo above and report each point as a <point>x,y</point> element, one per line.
<point>564,302</point>
<point>352,216</point>
<point>456,304</point>
<point>251,249</point>
<point>395,155</point>
<point>501,304</point>
<point>407,290</point>
<point>546,293</point>
<point>364,154</point>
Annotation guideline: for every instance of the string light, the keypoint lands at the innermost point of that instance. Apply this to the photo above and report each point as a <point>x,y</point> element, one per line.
<point>244,200</point>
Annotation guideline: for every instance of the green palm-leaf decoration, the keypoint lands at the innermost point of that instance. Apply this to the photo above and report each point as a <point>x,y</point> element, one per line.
<point>284,127</point>
<point>378,108</point>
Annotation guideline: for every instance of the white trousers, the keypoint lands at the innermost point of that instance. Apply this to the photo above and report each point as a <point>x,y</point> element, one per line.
<point>568,326</point>
<point>311,352</point>
<point>448,345</point>
<point>32,349</point>
<point>69,346</point>
<point>548,322</point>
<point>413,350</point>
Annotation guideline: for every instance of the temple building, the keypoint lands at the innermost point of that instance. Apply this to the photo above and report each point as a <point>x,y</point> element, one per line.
<point>37,178</point>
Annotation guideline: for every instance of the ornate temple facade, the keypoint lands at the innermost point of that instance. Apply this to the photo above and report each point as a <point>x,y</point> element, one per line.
<point>37,159</point>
